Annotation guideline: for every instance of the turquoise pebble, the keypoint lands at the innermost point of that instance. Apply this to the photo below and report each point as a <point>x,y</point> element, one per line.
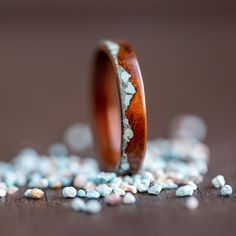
<point>81,193</point>
<point>226,191</point>
<point>184,191</point>
<point>69,192</point>
<point>155,189</point>
<point>118,191</point>
<point>169,186</point>
<point>129,198</point>
<point>57,149</point>
<point>218,181</point>
<point>78,204</point>
<point>142,188</point>
<point>93,207</point>
<point>105,177</point>
<point>92,194</point>
<point>28,193</point>
<point>103,190</point>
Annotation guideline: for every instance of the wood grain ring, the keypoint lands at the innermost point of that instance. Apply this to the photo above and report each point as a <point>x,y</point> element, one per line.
<point>121,137</point>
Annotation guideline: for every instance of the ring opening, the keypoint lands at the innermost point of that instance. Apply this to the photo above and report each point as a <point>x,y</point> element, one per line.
<point>107,111</point>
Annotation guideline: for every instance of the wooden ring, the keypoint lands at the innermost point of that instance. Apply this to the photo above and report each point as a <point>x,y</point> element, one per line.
<point>120,125</point>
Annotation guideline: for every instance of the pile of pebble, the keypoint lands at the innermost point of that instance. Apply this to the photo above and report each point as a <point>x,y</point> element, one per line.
<point>178,163</point>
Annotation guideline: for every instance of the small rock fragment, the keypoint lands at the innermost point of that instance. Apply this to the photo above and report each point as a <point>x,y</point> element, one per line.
<point>81,193</point>
<point>129,198</point>
<point>12,190</point>
<point>155,189</point>
<point>37,193</point>
<point>218,181</point>
<point>118,191</point>
<point>226,190</point>
<point>113,199</point>
<point>28,193</point>
<point>78,204</point>
<point>92,194</point>
<point>192,203</point>
<point>3,192</point>
<point>193,185</point>
<point>142,188</point>
<point>34,193</point>
<point>129,188</point>
<point>184,191</point>
<point>93,207</point>
<point>168,185</point>
<point>103,190</point>
<point>69,192</point>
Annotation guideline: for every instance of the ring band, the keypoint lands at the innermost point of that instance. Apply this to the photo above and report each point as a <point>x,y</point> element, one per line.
<point>120,127</point>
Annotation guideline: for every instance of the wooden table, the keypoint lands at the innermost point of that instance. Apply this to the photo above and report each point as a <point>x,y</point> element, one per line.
<point>187,55</point>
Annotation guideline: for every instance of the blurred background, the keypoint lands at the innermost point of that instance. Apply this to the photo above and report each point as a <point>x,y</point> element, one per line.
<point>186,51</point>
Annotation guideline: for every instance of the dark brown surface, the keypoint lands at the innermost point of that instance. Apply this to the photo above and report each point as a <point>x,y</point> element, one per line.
<point>187,56</point>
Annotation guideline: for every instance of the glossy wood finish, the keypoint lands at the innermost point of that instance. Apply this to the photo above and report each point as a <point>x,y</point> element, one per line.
<point>111,60</point>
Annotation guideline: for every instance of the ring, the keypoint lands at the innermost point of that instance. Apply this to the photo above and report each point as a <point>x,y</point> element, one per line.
<point>120,107</point>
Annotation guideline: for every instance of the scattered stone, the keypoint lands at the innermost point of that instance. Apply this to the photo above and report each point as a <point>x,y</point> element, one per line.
<point>12,190</point>
<point>78,204</point>
<point>80,181</point>
<point>112,199</point>
<point>93,194</point>
<point>3,192</point>
<point>28,193</point>
<point>69,192</point>
<point>118,191</point>
<point>142,188</point>
<point>193,185</point>
<point>226,190</point>
<point>189,127</point>
<point>218,181</point>
<point>129,188</point>
<point>81,193</point>
<point>78,137</point>
<point>168,163</point>
<point>105,177</point>
<point>184,191</point>
<point>192,203</point>
<point>58,150</point>
<point>37,193</point>
<point>103,190</point>
<point>93,207</point>
<point>168,185</point>
<point>155,189</point>
<point>129,198</point>
<point>34,193</point>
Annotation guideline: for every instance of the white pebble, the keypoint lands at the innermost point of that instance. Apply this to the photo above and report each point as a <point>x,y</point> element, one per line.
<point>119,191</point>
<point>69,192</point>
<point>184,191</point>
<point>218,181</point>
<point>226,190</point>
<point>93,207</point>
<point>189,127</point>
<point>193,185</point>
<point>78,137</point>
<point>129,198</point>
<point>78,204</point>
<point>12,190</point>
<point>155,189</point>
<point>192,203</point>
<point>28,193</point>
<point>3,192</point>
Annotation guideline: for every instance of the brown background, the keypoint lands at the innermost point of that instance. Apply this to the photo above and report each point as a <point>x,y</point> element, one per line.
<point>187,54</point>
